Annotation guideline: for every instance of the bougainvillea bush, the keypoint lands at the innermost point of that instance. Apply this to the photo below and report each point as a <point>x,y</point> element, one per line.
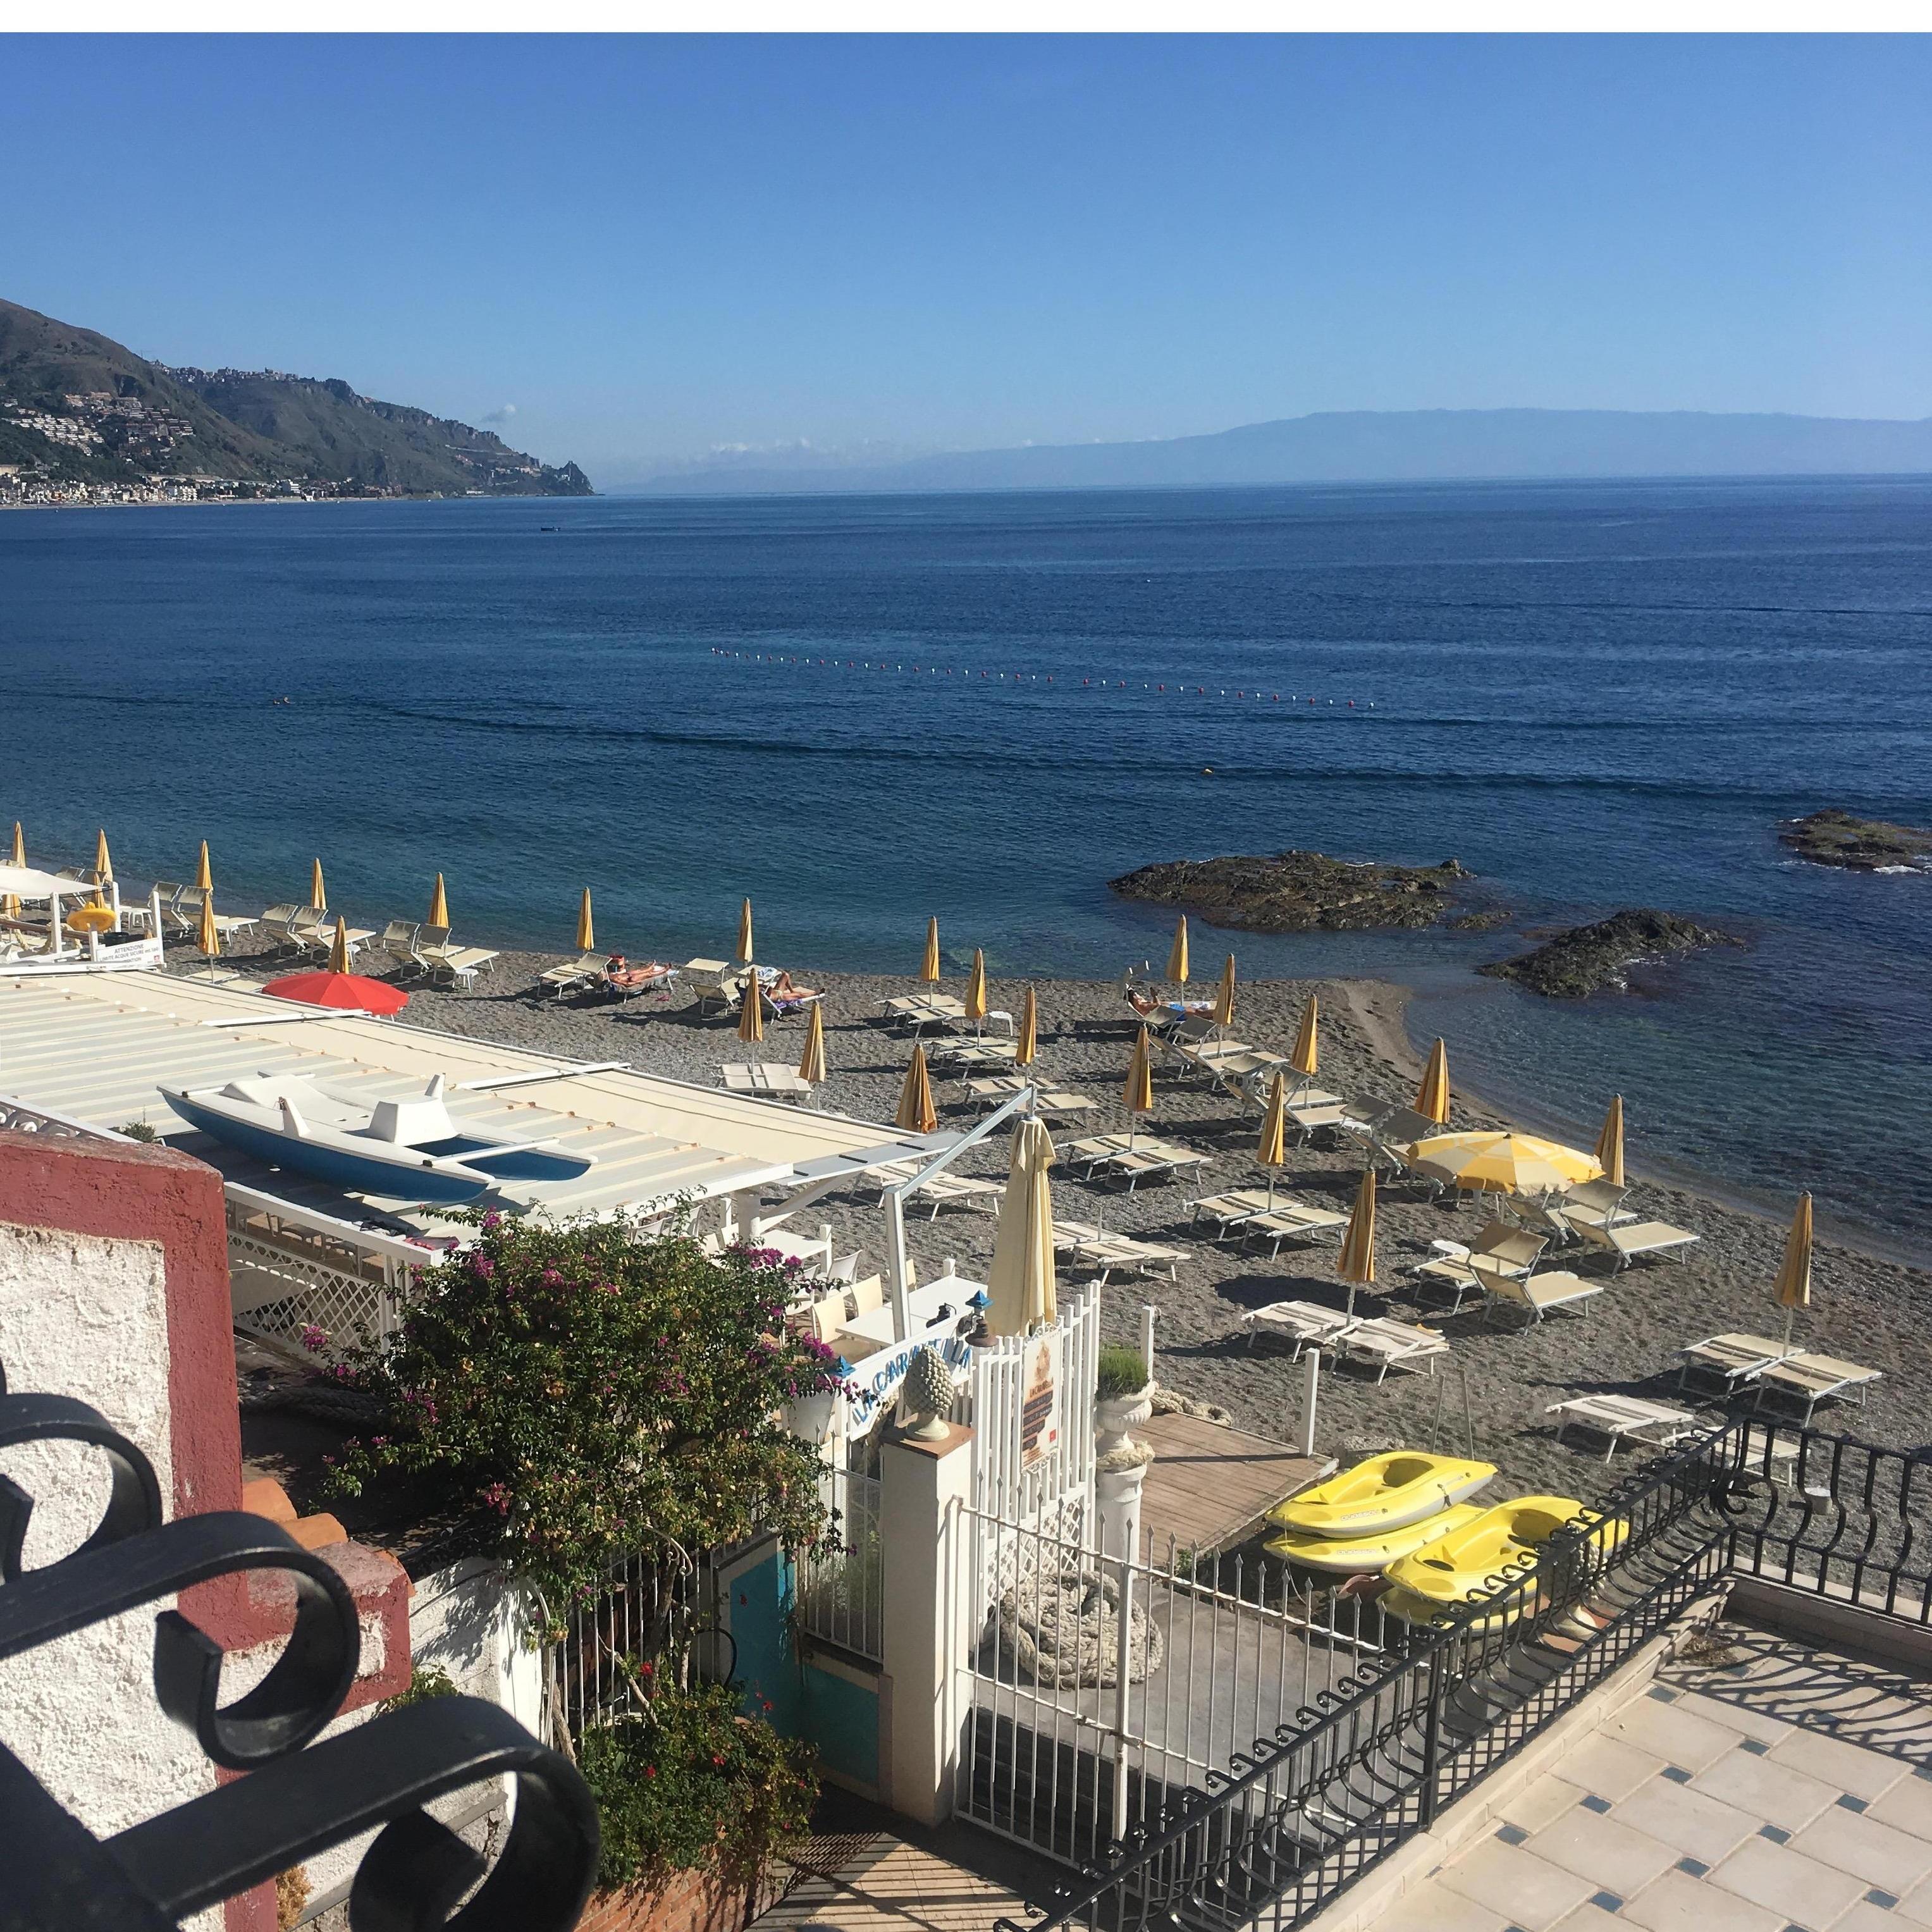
<point>593,1390</point>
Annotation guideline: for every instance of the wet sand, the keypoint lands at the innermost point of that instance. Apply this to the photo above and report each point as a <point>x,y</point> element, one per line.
<point>1494,1388</point>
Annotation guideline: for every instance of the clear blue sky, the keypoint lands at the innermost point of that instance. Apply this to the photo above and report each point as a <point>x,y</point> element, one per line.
<point>650,246</point>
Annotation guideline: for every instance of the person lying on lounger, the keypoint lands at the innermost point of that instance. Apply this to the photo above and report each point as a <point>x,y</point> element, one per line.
<point>778,988</point>
<point>1147,1008</point>
<point>621,976</point>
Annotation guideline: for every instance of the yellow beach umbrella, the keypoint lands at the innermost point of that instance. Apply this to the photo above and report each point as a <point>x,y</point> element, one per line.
<point>1356,1264</point>
<point>586,929</point>
<point>1026,1049</point>
<point>338,952</point>
<point>929,966</point>
<point>1610,1143</point>
<point>439,905</point>
<point>204,875</point>
<point>751,1011</point>
<point>1496,1162</point>
<point>975,990</point>
<point>1137,1097</point>
<point>1794,1278</point>
<point>1432,1098</point>
<point>744,933</point>
<point>1306,1059</point>
<point>103,864</point>
<point>318,893</point>
<point>1177,958</point>
<point>1224,997</point>
<point>916,1113</point>
<point>811,1061</point>
<point>19,846</point>
<point>1272,1154</point>
<point>1020,1285</point>
<point>207,941</point>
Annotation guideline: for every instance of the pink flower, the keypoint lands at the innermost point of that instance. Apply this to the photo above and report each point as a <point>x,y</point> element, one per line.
<point>492,1221</point>
<point>313,1338</point>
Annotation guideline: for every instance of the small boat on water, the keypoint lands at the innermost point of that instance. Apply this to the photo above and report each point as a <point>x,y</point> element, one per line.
<point>409,1149</point>
<point>1384,1493</point>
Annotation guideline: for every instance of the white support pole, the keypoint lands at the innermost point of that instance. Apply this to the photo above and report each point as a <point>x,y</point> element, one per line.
<point>898,1266</point>
<point>1123,1693</point>
<point>1311,1385</point>
<point>1148,1312</point>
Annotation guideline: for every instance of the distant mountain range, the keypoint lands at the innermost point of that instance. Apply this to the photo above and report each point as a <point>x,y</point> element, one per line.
<point>76,404</point>
<point>1364,446</point>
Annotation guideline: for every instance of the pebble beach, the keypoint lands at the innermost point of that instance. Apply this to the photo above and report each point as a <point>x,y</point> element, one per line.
<point>1491,1394</point>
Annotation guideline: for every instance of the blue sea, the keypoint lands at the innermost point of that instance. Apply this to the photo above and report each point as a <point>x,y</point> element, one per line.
<point>860,711</point>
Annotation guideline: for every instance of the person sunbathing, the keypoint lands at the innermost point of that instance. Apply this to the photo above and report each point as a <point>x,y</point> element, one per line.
<point>621,976</point>
<point>781,992</point>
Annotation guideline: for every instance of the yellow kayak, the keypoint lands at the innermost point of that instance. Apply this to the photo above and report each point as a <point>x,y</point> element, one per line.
<point>1462,1562</point>
<point>1386,1491</point>
<point>1362,1555</point>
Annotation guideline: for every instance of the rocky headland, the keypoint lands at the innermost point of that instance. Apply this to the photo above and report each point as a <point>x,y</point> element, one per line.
<point>1297,892</point>
<point>1835,837</point>
<point>1585,959</point>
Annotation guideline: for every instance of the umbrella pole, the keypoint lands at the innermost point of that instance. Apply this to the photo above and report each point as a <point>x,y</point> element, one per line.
<point>1790,1316</point>
<point>1270,1206</point>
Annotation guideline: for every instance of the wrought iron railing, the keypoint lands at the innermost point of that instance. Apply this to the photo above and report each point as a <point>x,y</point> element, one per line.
<point>296,1802</point>
<point>1372,1761</point>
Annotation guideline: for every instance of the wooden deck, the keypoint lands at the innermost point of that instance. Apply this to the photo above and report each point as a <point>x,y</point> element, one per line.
<point>1210,1487</point>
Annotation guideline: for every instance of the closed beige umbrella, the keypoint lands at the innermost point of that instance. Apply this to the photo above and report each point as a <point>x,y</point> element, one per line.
<point>1177,958</point>
<point>1356,1264</point>
<point>103,864</point>
<point>1794,1278</point>
<point>204,873</point>
<point>1432,1098</point>
<point>1026,1049</point>
<point>586,927</point>
<point>1224,997</point>
<point>438,906</point>
<point>1020,1286</point>
<point>19,846</point>
<point>744,954</point>
<point>1306,1059</point>
<point>751,1011</point>
<point>916,1113</point>
<point>207,941</point>
<point>811,1061</point>
<point>929,966</point>
<point>975,989</point>
<point>338,953</point>
<point>1272,1154</point>
<point>1610,1143</point>
<point>1137,1097</point>
<point>318,893</point>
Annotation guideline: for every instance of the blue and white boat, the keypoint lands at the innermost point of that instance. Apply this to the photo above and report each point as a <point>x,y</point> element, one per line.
<point>410,1150</point>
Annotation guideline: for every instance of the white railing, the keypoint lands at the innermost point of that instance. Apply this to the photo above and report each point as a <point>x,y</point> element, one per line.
<point>841,1579</point>
<point>16,1117</point>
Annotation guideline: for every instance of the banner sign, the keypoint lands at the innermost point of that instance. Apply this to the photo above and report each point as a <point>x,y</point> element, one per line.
<point>1039,1398</point>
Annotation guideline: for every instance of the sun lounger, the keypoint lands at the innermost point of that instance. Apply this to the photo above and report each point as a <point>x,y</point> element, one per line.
<point>1811,1379</point>
<point>1392,1344</point>
<point>1627,1241</point>
<point>399,942</point>
<point>714,982</point>
<point>318,935</point>
<point>1290,1220</point>
<point>1301,1324</point>
<point>277,922</point>
<point>1734,1360</point>
<point>1097,1247</point>
<point>942,1190</point>
<point>995,1090</point>
<point>1625,1417</point>
<point>1229,1209</point>
<point>574,975</point>
<point>1534,1295</point>
<point>1506,1249</point>
<point>917,1011</point>
<point>628,982</point>
<point>227,924</point>
<point>1113,1154</point>
<point>966,1052</point>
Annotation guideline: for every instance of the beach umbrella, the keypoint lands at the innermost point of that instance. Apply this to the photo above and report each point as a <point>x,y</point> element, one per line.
<point>1496,1162</point>
<point>1610,1143</point>
<point>975,990</point>
<point>1224,998</point>
<point>20,858</point>
<point>811,1061</point>
<point>318,893</point>
<point>103,864</point>
<point>751,1011</point>
<point>1432,1098</point>
<point>586,931</point>
<point>1137,1097</point>
<point>929,966</point>
<point>744,933</point>
<point>1177,958</point>
<point>1026,1049</point>
<point>438,906</point>
<point>208,939</point>
<point>1273,1152</point>
<point>1356,1264</point>
<point>1306,1057</point>
<point>1020,1286</point>
<point>204,877</point>
<point>916,1113</point>
<point>1794,1278</point>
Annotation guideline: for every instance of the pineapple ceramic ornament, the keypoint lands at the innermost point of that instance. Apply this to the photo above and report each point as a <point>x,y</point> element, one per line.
<point>927,1395</point>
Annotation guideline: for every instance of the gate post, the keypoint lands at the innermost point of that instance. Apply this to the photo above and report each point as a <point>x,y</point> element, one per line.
<point>926,1548</point>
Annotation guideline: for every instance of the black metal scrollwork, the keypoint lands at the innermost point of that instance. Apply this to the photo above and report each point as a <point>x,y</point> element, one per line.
<point>295,1803</point>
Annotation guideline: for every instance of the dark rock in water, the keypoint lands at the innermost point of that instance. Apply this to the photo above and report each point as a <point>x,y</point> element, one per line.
<point>1481,919</point>
<point>1296,891</point>
<point>1588,957</point>
<point>1858,844</point>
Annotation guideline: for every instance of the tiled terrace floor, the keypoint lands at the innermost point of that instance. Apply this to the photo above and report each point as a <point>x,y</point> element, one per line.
<point>1789,1790</point>
<point>876,1882</point>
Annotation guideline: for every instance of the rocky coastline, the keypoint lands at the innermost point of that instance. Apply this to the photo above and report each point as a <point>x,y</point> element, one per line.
<point>1853,844</point>
<point>1297,892</point>
<point>1585,959</point>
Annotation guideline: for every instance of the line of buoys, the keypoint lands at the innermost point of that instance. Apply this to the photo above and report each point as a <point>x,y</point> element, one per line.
<point>1018,677</point>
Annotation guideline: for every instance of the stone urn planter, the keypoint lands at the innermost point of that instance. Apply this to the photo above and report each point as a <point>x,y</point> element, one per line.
<point>1114,1416</point>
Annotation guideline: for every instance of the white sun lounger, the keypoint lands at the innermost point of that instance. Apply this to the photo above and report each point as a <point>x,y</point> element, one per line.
<point>1392,1344</point>
<point>1811,1379</point>
<point>1628,1240</point>
<point>1300,1324</point>
<point>585,970</point>
<point>1290,1220</point>
<point>1107,1251</point>
<point>1535,1295</point>
<point>995,1090</point>
<point>1111,1152</point>
<point>943,1189</point>
<point>1504,1249</point>
<point>1230,1208</point>
<point>1734,1360</point>
<point>1625,1418</point>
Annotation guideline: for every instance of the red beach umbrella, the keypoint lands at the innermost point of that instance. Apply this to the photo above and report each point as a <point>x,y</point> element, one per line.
<point>349,990</point>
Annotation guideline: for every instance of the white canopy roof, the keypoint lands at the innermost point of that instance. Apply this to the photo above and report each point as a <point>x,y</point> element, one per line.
<point>29,882</point>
